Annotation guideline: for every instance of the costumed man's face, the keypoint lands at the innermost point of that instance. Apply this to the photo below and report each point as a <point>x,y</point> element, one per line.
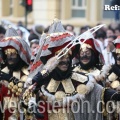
<point>118,59</point>
<point>12,58</point>
<point>64,63</point>
<point>85,56</point>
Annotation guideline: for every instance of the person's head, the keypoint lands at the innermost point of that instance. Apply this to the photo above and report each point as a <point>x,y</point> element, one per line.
<point>64,63</point>
<point>100,35</point>
<point>16,52</point>
<point>64,68</point>
<point>20,23</point>
<point>70,28</point>
<point>32,36</point>
<point>109,43</point>
<point>2,32</point>
<point>87,57</point>
<point>117,32</point>
<point>38,29</point>
<point>12,57</point>
<point>34,44</point>
<point>113,25</point>
<point>84,28</point>
<point>110,32</point>
<point>20,33</point>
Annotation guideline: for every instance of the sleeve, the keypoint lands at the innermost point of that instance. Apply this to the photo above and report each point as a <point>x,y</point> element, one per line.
<point>111,94</point>
<point>38,78</point>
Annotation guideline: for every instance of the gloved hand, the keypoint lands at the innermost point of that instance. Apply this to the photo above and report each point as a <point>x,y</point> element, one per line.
<point>51,64</point>
<point>5,76</point>
<point>28,82</point>
<point>105,70</point>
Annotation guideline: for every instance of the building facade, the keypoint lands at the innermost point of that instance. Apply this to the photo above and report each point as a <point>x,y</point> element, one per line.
<point>75,12</point>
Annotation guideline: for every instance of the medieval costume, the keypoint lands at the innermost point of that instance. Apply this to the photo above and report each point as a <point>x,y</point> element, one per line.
<point>16,55</point>
<point>114,74</point>
<point>54,42</point>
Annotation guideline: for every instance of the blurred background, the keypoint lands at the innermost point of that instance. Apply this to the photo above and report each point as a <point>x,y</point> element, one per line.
<point>31,17</point>
<point>75,12</point>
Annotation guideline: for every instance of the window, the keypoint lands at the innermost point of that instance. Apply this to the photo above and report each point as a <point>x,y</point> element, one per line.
<point>78,8</point>
<point>11,7</point>
<point>107,14</point>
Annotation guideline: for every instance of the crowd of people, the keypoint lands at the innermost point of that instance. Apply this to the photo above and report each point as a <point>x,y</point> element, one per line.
<point>59,74</point>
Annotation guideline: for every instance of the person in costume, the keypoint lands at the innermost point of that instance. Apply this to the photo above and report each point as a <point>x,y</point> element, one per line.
<point>60,84</point>
<point>114,73</point>
<point>16,56</point>
<point>113,78</point>
<point>57,38</point>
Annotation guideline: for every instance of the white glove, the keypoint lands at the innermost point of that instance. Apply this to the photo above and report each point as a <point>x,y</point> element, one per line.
<point>105,70</point>
<point>28,82</point>
<point>51,64</point>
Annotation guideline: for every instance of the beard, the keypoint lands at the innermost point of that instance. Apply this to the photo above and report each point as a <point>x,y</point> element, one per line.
<point>59,75</point>
<point>12,67</point>
<point>14,64</point>
<point>64,63</point>
<point>17,63</point>
<point>87,66</point>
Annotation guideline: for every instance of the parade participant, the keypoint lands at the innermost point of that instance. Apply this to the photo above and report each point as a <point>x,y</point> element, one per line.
<point>57,39</point>
<point>114,73</point>
<point>93,62</point>
<point>16,55</point>
<point>88,56</point>
<point>113,78</point>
